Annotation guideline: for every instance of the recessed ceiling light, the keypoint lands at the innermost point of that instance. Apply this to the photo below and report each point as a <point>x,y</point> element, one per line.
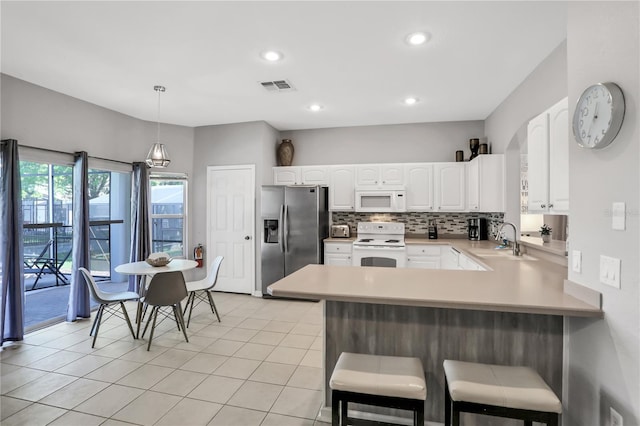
<point>418,38</point>
<point>411,100</point>
<point>271,55</point>
<point>315,107</point>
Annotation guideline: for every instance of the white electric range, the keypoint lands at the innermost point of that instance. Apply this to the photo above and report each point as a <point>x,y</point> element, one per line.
<point>379,244</point>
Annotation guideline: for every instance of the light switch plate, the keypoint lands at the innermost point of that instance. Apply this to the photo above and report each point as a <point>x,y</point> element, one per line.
<point>576,261</point>
<point>618,215</point>
<point>610,271</point>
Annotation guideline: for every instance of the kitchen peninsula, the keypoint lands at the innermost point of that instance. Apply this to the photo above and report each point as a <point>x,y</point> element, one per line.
<point>510,314</point>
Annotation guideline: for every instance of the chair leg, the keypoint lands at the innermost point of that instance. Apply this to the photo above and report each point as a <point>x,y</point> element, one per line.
<point>419,414</point>
<point>528,423</point>
<point>139,319</point>
<point>177,311</point>
<point>213,305</point>
<point>335,410</point>
<point>149,320</point>
<point>192,298</point>
<point>554,419</point>
<point>344,410</point>
<point>126,317</point>
<point>96,325</point>
<point>455,415</point>
<point>154,313</point>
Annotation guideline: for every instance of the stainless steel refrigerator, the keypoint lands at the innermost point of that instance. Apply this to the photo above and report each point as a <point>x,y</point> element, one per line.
<point>295,221</point>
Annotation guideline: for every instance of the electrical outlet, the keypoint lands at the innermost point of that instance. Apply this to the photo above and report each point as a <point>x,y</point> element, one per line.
<point>610,271</point>
<point>616,418</point>
<point>576,261</point>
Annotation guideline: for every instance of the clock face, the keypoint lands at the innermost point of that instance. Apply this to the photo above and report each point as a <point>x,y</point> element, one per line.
<point>598,115</point>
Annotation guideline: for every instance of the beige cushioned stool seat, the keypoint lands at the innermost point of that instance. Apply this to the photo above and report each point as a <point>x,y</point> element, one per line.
<point>400,377</point>
<point>499,385</point>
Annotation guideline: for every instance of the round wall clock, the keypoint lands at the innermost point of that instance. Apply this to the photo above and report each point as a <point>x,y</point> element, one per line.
<point>598,115</point>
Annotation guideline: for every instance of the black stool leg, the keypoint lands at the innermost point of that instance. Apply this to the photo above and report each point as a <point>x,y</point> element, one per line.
<point>554,419</point>
<point>335,409</point>
<point>419,414</point>
<point>455,415</point>
<point>344,408</point>
<point>528,423</point>
<point>447,404</point>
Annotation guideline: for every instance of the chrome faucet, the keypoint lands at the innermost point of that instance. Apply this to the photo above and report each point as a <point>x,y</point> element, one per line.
<point>516,244</point>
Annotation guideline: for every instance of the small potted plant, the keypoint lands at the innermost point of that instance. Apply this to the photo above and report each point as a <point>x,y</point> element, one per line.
<point>545,233</point>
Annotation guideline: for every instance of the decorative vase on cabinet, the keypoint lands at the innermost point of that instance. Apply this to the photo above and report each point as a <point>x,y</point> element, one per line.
<point>285,153</point>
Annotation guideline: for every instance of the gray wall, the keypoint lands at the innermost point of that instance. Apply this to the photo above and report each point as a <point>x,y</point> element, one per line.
<point>545,86</point>
<point>402,143</point>
<point>232,144</point>
<point>604,357</point>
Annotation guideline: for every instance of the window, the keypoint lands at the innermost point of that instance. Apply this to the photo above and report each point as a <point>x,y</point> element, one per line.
<point>168,214</point>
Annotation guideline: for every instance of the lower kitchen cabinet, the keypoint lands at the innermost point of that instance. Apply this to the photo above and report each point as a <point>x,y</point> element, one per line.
<point>338,253</point>
<point>426,256</point>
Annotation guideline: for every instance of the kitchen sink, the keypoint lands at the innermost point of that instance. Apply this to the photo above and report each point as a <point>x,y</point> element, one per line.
<point>506,254</point>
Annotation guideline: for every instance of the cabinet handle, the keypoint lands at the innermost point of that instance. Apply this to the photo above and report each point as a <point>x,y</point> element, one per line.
<point>543,205</point>
<point>384,181</point>
<point>550,206</point>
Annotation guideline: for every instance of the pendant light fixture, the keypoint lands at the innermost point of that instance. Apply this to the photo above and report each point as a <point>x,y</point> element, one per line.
<point>157,156</point>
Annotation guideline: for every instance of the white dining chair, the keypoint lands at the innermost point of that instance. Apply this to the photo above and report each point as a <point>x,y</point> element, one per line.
<point>106,301</point>
<point>198,289</point>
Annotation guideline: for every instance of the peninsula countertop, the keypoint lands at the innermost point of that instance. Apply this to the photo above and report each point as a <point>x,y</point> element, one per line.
<point>523,285</point>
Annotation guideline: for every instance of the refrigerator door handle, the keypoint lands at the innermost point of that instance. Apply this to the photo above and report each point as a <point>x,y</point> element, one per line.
<point>286,228</point>
<point>281,229</point>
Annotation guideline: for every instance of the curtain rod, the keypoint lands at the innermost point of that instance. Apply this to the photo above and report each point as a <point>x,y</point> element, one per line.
<point>71,153</point>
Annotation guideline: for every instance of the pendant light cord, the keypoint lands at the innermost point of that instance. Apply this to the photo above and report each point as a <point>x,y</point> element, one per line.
<point>158,89</point>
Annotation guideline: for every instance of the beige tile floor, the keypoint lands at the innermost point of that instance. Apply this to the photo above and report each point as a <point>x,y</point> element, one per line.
<point>262,365</point>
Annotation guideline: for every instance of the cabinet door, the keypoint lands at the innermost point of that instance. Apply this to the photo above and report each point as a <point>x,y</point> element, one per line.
<point>490,183</point>
<point>559,157</point>
<point>423,262</point>
<point>314,175</point>
<point>419,187</point>
<point>286,175</point>
<point>392,174</point>
<point>538,163</point>
<point>368,175</point>
<point>450,187</point>
<point>342,188</point>
<point>337,259</point>
<point>473,185</point>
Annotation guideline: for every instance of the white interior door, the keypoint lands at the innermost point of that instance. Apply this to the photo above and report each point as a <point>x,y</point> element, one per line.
<point>230,225</point>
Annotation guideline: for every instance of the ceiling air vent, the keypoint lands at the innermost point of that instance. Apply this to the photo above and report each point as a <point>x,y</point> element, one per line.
<point>277,86</point>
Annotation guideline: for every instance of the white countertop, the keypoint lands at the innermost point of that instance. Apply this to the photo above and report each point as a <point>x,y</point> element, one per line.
<point>531,286</point>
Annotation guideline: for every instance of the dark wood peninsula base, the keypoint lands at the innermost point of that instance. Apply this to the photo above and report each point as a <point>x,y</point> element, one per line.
<point>436,334</point>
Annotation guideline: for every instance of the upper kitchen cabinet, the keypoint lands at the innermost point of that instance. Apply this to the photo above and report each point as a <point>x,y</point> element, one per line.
<point>379,175</point>
<point>342,188</point>
<point>419,180</point>
<point>548,160</point>
<point>450,183</point>
<point>486,184</point>
<point>306,175</point>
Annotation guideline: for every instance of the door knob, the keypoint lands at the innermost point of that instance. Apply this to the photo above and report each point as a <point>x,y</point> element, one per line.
<point>247,237</point>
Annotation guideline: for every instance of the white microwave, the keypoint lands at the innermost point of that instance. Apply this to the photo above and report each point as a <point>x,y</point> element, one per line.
<point>381,200</point>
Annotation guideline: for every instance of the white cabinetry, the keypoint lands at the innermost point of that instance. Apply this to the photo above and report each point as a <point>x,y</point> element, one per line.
<point>450,187</point>
<point>426,256</point>
<point>419,180</point>
<point>548,160</point>
<point>305,175</point>
<point>468,264</point>
<point>338,253</point>
<point>342,188</point>
<point>485,183</point>
<point>379,175</point>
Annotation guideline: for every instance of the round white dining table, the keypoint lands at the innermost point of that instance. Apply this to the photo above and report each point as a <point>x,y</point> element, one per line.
<point>143,268</point>
<point>146,270</point>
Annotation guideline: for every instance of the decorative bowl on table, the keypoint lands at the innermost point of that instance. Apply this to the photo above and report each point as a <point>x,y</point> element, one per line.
<point>159,259</point>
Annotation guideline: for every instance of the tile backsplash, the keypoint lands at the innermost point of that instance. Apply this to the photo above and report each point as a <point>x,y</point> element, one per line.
<point>417,222</point>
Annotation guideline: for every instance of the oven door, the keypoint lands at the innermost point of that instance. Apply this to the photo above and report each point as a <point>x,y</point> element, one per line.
<point>381,256</point>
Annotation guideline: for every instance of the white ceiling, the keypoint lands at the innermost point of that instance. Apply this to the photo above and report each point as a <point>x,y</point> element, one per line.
<point>349,56</point>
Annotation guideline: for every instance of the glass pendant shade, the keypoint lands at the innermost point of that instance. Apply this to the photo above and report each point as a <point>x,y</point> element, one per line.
<point>157,156</point>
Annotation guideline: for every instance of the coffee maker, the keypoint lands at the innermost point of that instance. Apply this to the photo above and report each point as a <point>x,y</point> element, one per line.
<point>477,229</point>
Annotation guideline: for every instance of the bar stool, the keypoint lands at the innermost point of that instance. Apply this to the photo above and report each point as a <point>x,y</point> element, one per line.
<point>384,381</point>
<point>498,390</point>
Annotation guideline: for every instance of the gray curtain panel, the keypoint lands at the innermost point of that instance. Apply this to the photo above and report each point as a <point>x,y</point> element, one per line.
<point>79,306</point>
<point>140,219</point>
<point>11,247</point>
